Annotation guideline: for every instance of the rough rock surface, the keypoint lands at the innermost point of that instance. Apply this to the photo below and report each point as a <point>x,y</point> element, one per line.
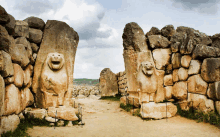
<point>108,83</point>
<point>63,113</point>
<point>213,91</point>
<point>185,61</point>
<point>6,66</point>
<point>2,95</point>
<point>27,98</point>
<point>168,31</point>
<point>195,67</point>
<point>197,85</point>
<point>4,17</point>
<point>65,41</point>
<point>175,75</point>
<point>203,51</point>
<point>216,40</point>
<point>168,92</point>
<point>175,47</point>
<point>21,29</point>
<point>161,57</point>
<point>18,75</point>
<point>168,80</point>
<point>10,26</point>
<point>182,74</point>
<point>34,47</point>
<point>153,31</point>
<point>180,90</point>
<point>201,102</point>
<point>9,123</point>
<point>158,111</point>
<point>35,35</point>
<point>36,113</point>
<point>35,22</point>
<point>23,40</point>
<point>176,60</point>
<point>217,106</point>
<point>27,74</point>
<point>160,94</point>
<point>4,39</point>
<point>210,70</point>
<point>158,41</point>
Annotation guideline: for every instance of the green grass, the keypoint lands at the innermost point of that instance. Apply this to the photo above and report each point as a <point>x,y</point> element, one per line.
<point>77,121</point>
<point>112,98</point>
<point>210,117</point>
<point>127,107</point>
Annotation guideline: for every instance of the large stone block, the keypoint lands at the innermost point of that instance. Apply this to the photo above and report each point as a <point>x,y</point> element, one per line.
<point>61,39</point>
<point>36,113</point>
<point>153,31</point>
<point>4,39</point>
<point>180,90</point>
<point>12,100</point>
<point>210,70</point>
<point>168,80</point>
<point>158,41</point>
<point>161,57</point>
<point>175,46</point>
<point>34,47</point>
<point>175,75</point>
<point>160,94</point>
<point>18,75</point>
<point>183,74</point>
<point>195,67</point>
<point>203,51</point>
<point>201,102</point>
<point>27,45</point>
<point>27,98</point>
<point>185,61</point>
<point>213,91</point>
<point>168,92</point>
<point>2,95</point>
<point>6,66</point>
<point>10,26</point>
<point>4,17</point>
<point>217,106</point>
<point>197,85</point>
<point>216,40</point>
<point>27,74</point>
<point>168,31</point>
<point>35,35</point>
<point>21,29</point>
<point>35,22</point>
<point>158,110</point>
<point>9,123</point>
<point>176,60</point>
<point>63,113</point>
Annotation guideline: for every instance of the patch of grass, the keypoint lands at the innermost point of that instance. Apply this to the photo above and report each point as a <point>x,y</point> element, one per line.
<point>77,121</point>
<point>210,117</point>
<point>112,98</point>
<point>137,113</point>
<point>127,107</point>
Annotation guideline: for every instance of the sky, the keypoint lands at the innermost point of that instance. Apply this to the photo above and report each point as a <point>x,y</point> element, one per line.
<point>100,24</point>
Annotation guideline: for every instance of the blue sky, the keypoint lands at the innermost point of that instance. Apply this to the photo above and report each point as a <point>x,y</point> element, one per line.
<point>100,24</point>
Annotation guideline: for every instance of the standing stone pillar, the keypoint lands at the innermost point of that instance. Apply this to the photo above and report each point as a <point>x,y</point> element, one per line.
<point>53,70</point>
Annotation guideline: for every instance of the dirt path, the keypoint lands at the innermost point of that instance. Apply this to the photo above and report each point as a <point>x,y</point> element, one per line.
<point>105,119</point>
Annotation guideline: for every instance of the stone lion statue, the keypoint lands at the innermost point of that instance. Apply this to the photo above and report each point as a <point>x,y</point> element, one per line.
<point>53,80</point>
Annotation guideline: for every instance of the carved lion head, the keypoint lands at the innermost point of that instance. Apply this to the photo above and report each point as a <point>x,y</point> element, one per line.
<point>147,68</point>
<point>55,61</point>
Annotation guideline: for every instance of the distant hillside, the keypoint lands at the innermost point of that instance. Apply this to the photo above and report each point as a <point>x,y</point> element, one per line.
<point>79,81</point>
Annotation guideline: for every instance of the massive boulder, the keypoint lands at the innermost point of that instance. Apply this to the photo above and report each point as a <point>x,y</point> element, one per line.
<point>176,60</point>
<point>168,31</point>
<point>108,83</point>
<point>10,26</point>
<point>197,85</point>
<point>202,51</point>
<point>185,61</point>
<point>180,90</point>
<point>21,29</point>
<point>153,31</point>
<point>213,91</point>
<point>158,41</point>
<point>4,39</point>
<point>9,123</point>
<point>2,95</point>
<point>160,94</point>
<point>6,66</point>
<point>195,67</point>
<point>35,22</point>
<point>216,40</point>
<point>4,17</point>
<point>61,38</point>
<point>35,35</point>
<point>161,57</point>
<point>210,70</point>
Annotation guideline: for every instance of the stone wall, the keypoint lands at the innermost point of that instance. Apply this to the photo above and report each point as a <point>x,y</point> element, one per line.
<point>122,83</point>
<point>186,61</point>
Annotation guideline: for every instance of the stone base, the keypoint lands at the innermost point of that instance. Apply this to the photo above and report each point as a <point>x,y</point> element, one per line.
<point>157,110</point>
<point>81,96</point>
<point>36,112</point>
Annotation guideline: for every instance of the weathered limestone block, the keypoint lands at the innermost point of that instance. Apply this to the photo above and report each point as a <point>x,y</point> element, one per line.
<point>9,123</point>
<point>197,85</point>
<point>18,53</point>
<point>21,29</point>
<point>216,40</point>
<point>217,106</point>
<point>108,83</point>
<point>18,75</point>
<point>168,80</point>
<point>65,113</point>
<point>12,100</point>
<point>35,35</point>
<point>161,57</point>
<point>168,31</point>
<point>27,98</point>
<point>203,51</point>
<point>158,110</point>
<point>201,102</point>
<point>2,95</point>
<point>61,38</point>
<point>50,119</point>
<point>175,47</point>
<point>210,70</point>
<point>180,90</point>
<point>213,91</point>
<point>10,26</point>
<point>35,22</point>
<point>4,16</point>
<point>168,92</point>
<point>6,66</point>
<point>27,74</point>
<point>176,60</point>
<point>27,45</point>
<point>175,75</point>
<point>153,31</point>
<point>36,113</point>
<point>34,47</point>
<point>185,61</point>
<point>158,41</point>
<point>160,94</point>
<point>195,67</point>
<point>182,74</point>
<point>9,80</point>
<point>4,39</point>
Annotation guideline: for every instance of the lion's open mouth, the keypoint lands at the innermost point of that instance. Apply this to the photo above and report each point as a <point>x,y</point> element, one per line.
<point>56,62</point>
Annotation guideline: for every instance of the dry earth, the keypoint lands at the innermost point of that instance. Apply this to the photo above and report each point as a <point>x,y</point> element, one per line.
<point>105,119</point>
